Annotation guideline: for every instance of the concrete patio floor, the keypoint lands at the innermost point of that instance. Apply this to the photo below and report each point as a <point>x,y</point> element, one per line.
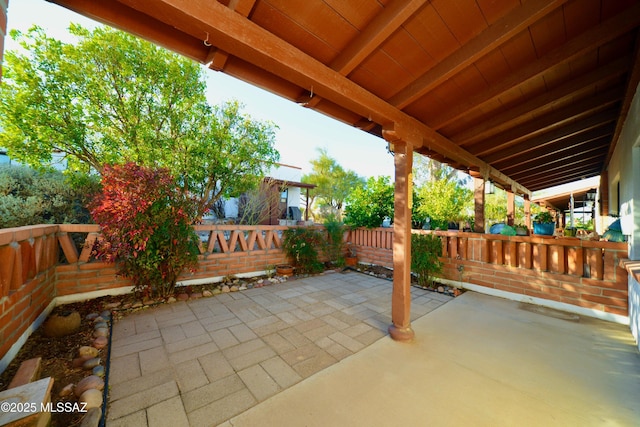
<point>477,360</point>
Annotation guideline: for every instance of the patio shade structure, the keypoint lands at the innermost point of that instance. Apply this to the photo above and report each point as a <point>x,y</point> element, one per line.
<point>526,94</point>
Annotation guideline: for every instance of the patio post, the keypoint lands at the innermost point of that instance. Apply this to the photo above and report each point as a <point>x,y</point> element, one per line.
<point>400,330</point>
<point>479,201</point>
<point>511,207</point>
<point>527,211</point>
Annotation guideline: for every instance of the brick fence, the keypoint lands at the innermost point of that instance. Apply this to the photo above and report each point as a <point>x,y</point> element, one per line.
<point>570,271</point>
<point>41,264</point>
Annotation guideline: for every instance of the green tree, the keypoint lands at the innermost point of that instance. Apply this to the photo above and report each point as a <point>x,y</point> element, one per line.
<point>367,206</point>
<point>333,184</point>
<point>113,98</point>
<point>444,200</point>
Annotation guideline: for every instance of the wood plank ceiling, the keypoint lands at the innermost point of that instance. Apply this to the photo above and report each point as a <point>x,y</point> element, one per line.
<point>530,94</point>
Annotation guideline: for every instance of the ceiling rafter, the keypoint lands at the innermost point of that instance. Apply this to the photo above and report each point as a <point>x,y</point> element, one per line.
<point>560,177</point>
<point>548,122</point>
<point>586,161</point>
<point>493,36</point>
<point>522,113</point>
<point>574,128</point>
<point>230,32</point>
<point>587,41</point>
<point>375,34</point>
<point>598,138</point>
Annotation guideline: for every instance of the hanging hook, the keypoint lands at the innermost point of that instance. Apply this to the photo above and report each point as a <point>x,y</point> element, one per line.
<point>206,41</point>
<point>311,92</point>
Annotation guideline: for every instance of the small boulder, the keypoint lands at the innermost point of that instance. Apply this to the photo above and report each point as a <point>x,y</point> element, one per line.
<point>92,418</point>
<point>87,351</point>
<point>66,390</point>
<point>90,382</point>
<point>91,363</point>
<point>100,342</point>
<point>92,398</point>
<point>61,324</point>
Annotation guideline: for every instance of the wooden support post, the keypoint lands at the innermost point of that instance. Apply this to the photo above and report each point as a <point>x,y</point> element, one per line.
<point>511,208</point>
<point>478,199</point>
<point>401,330</point>
<point>527,212</point>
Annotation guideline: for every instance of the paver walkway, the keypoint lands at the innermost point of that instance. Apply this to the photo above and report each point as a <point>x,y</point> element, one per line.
<point>199,363</point>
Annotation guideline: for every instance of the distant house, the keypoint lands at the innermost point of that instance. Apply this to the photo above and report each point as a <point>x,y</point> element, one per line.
<point>279,198</point>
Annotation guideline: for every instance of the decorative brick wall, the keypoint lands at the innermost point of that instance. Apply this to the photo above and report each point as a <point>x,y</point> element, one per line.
<point>40,263</point>
<point>571,271</point>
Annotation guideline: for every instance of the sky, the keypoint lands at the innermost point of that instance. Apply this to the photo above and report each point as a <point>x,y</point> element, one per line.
<point>301,131</point>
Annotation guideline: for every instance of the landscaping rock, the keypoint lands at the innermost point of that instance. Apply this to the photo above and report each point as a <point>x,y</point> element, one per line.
<point>112,305</point>
<point>100,325</point>
<point>183,296</point>
<point>226,289</point>
<point>106,315</point>
<point>98,319</point>
<point>91,316</point>
<point>92,418</point>
<point>101,332</point>
<point>196,295</point>
<point>92,397</point>
<point>79,361</point>
<point>66,390</point>
<point>234,288</point>
<point>98,371</point>
<point>87,383</point>
<point>59,325</point>
<point>171,300</point>
<point>100,342</point>
<point>91,363</point>
<point>87,351</point>
<point>207,293</point>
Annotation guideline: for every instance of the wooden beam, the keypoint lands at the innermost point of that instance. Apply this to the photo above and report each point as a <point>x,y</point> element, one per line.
<point>244,39</point>
<point>217,59</point>
<point>563,177</point>
<point>493,36</point>
<point>565,165</point>
<point>578,127</point>
<point>586,42</point>
<point>555,120</point>
<point>377,32</point>
<point>541,104</point>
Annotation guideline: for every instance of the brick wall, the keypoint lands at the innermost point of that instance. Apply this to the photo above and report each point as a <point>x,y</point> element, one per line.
<point>571,271</point>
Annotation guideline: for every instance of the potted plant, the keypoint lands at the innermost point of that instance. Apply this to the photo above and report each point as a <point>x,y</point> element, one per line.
<point>521,230</point>
<point>544,224</point>
<point>285,270</point>
<point>352,257</point>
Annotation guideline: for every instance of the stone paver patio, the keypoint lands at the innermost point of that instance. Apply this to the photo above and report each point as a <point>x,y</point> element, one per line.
<point>201,362</point>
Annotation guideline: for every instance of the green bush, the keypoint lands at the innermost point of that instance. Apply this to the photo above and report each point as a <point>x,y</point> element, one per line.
<point>335,240</point>
<point>301,245</point>
<point>425,250</point>
<point>29,197</point>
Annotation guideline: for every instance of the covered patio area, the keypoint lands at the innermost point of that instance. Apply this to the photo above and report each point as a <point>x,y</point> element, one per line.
<point>315,352</point>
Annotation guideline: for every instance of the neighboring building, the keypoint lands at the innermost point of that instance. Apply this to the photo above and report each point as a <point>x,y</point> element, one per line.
<point>282,196</point>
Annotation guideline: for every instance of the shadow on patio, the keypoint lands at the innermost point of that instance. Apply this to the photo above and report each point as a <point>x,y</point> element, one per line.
<point>273,352</point>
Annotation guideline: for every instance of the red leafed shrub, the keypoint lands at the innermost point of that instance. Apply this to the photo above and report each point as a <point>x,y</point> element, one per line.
<point>146,226</point>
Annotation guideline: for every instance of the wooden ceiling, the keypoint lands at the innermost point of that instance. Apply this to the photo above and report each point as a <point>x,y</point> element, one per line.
<point>530,94</point>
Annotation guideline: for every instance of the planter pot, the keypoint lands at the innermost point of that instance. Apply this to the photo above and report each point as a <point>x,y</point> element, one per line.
<point>284,270</point>
<point>351,261</point>
<point>544,228</point>
<point>521,231</point>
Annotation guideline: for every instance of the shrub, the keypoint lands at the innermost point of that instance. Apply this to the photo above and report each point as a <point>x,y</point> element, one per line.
<point>146,226</point>
<point>368,205</point>
<point>29,197</point>
<point>301,246</point>
<point>335,240</point>
<point>425,250</point>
